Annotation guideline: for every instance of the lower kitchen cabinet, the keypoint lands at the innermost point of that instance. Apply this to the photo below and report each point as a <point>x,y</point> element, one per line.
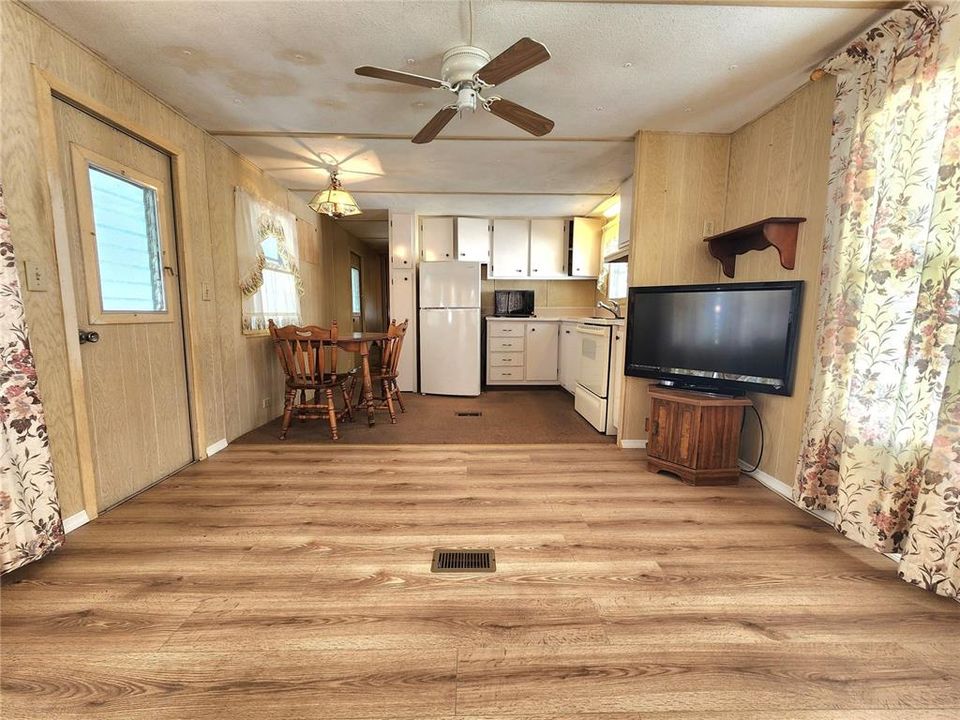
<point>522,352</point>
<point>541,351</point>
<point>569,356</point>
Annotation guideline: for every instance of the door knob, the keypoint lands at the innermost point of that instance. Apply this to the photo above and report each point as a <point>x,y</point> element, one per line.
<point>89,336</point>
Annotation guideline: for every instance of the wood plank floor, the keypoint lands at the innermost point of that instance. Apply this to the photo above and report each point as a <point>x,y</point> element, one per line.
<point>293,582</point>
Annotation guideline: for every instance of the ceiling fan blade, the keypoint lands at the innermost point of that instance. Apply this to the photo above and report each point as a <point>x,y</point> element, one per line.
<point>437,123</point>
<point>397,76</point>
<point>519,57</point>
<point>525,119</point>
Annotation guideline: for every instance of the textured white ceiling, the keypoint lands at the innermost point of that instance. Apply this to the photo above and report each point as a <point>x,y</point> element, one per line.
<point>616,68</point>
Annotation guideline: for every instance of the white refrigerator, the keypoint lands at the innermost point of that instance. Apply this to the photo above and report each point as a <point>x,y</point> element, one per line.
<point>450,328</point>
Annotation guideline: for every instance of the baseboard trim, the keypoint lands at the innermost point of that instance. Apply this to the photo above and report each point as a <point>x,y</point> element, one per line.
<point>633,444</point>
<point>74,521</point>
<point>216,447</point>
<point>785,491</point>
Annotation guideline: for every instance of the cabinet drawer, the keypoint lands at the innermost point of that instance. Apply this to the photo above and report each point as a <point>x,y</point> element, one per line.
<point>506,344</point>
<point>506,329</point>
<point>504,374</point>
<point>506,359</point>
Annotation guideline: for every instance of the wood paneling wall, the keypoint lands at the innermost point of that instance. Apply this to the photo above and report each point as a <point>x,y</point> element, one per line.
<point>252,380</point>
<point>774,165</point>
<point>680,185</point>
<point>779,166</point>
<point>233,372</point>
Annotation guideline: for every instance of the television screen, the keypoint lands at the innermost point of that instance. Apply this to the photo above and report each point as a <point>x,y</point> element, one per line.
<point>736,336</point>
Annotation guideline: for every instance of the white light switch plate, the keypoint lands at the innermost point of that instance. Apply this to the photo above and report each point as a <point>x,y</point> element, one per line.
<point>36,276</point>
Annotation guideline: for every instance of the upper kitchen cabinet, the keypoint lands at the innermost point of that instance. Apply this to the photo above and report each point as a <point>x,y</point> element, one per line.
<point>436,238</point>
<point>585,247</point>
<point>402,237</point>
<point>473,240</point>
<point>548,248</point>
<point>511,249</point>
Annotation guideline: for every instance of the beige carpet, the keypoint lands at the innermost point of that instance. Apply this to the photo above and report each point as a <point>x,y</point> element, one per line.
<point>544,415</point>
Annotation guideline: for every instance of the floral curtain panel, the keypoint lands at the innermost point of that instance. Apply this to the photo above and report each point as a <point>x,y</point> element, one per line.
<point>30,525</point>
<point>882,433</point>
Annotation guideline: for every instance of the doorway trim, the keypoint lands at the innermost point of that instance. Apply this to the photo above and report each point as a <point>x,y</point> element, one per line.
<point>48,89</point>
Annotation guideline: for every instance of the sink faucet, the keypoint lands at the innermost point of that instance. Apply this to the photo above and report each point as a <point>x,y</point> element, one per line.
<point>613,307</point>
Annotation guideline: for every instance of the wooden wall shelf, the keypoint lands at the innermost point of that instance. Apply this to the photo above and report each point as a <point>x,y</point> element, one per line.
<point>779,232</point>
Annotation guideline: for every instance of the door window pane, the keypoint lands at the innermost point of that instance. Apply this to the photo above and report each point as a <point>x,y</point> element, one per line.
<point>129,258</point>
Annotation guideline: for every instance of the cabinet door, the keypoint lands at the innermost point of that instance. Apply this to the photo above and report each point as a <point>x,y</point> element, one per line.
<point>473,240</point>
<point>661,424</point>
<point>436,238</point>
<point>585,247</point>
<point>626,214</point>
<point>684,435</point>
<point>401,241</point>
<point>569,356</point>
<point>548,248</point>
<point>511,249</point>
<point>542,351</point>
<point>403,306</point>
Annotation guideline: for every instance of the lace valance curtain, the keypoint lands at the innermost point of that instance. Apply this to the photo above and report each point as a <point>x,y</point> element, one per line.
<point>268,264</point>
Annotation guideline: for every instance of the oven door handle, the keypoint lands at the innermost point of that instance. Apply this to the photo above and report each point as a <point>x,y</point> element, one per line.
<point>587,330</point>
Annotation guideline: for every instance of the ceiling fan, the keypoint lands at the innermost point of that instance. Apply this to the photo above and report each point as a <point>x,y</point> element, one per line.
<point>467,71</point>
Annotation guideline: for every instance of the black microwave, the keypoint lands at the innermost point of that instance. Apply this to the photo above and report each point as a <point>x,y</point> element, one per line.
<point>513,303</point>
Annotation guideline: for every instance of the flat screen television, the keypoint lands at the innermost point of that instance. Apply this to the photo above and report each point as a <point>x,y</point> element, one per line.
<point>721,338</point>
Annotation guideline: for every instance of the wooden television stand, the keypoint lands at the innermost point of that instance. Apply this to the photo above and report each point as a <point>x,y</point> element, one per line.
<point>695,435</point>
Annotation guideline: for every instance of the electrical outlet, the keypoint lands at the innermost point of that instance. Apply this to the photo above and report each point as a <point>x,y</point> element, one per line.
<point>35,275</point>
<point>265,403</point>
<point>206,292</point>
<point>709,228</point>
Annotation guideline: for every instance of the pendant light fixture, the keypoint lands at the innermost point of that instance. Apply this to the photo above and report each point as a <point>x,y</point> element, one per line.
<point>335,201</point>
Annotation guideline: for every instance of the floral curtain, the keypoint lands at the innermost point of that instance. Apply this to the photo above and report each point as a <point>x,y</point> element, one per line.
<point>882,432</point>
<point>268,264</point>
<point>30,525</point>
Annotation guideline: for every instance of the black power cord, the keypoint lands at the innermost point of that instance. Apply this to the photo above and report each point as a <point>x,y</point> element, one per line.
<point>760,424</point>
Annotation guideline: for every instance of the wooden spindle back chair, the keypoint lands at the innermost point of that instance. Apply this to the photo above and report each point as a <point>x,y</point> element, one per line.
<point>308,356</point>
<point>389,368</point>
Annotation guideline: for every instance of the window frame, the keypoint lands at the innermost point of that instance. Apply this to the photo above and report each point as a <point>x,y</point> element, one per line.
<point>83,159</point>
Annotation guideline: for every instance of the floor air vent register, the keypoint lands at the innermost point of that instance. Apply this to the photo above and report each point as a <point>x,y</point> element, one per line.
<point>459,560</point>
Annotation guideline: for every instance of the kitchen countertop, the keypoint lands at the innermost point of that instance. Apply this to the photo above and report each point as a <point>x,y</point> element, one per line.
<point>592,320</point>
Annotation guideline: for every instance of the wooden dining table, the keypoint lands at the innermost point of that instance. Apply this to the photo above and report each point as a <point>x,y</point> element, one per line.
<point>360,342</point>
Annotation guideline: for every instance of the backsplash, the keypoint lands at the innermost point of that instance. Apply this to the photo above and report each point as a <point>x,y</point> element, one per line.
<point>550,296</point>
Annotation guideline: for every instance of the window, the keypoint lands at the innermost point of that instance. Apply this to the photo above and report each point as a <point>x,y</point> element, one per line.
<point>129,259</point>
<point>125,258</point>
<point>617,280</point>
<point>268,265</point>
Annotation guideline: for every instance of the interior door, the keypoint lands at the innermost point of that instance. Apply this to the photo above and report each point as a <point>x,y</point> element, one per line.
<point>123,259</point>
